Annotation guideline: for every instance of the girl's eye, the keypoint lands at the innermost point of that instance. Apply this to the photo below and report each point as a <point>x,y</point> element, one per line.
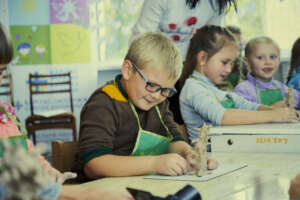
<point>225,62</point>
<point>260,57</point>
<point>273,57</point>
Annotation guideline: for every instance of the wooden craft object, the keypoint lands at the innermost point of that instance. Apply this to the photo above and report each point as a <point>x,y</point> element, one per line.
<point>199,157</point>
<point>290,101</point>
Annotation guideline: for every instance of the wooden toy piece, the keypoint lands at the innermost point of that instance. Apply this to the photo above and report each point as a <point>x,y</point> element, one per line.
<point>199,157</point>
<point>290,101</point>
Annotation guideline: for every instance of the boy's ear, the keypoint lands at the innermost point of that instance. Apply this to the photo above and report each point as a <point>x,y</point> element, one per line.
<point>126,69</point>
<point>246,61</point>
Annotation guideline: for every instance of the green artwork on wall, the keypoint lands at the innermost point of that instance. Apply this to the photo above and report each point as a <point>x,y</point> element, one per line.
<point>31,44</point>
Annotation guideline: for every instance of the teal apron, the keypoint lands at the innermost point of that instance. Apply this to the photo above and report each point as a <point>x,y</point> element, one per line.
<point>226,103</point>
<point>149,143</point>
<point>21,139</point>
<point>270,96</point>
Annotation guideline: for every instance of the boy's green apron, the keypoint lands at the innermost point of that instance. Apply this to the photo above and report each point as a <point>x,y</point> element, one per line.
<point>21,139</point>
<point>226,103</point>
<point>149,143</point>
<point>270,96</point>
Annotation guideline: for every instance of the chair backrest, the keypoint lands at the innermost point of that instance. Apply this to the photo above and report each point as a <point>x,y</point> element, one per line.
<point>63,155</point>
<point>6,90</point>
<point>50,84</point>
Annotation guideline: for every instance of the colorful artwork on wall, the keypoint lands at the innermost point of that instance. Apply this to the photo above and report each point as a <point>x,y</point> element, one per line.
<point>34,23</point>
<point>28,12</point>
<point>31,44</point>
<point>69,12</point>
<point>70,44</point>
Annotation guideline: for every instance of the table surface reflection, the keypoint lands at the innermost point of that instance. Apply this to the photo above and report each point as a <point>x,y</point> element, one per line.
<point>266,177</point>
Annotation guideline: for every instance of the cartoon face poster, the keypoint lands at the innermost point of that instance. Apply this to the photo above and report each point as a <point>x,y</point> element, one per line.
<point>31,44</point>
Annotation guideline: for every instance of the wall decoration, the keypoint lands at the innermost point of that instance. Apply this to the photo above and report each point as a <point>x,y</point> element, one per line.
<point>28,12</point>
<point>69,12</point>
<point>70,44</point>
<point>34,23</point>
<point>31,44</point>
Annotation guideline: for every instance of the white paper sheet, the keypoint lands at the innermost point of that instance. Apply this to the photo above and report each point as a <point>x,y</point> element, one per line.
<point>210,174</point>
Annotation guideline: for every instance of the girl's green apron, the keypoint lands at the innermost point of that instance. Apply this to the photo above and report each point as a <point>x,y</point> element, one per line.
<point>226,103</point>
<point>21,139</point>
<point>149,143</point>
<point>270,96</point>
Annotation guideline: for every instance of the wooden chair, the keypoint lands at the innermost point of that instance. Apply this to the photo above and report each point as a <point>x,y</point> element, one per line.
<point>52,85</point>
<point>63,155</point>
<point>6,90</point>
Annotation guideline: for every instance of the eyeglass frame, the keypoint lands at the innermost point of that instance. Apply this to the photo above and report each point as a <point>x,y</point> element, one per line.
<point>172,91</point>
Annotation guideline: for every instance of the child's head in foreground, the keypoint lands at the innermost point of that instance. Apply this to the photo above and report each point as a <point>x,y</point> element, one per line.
<point>295,58</point>
<point>262,57</point>
<point>6,50</point>
<point>6,55</point>
<point>212,52</point>
<point>150,70</point>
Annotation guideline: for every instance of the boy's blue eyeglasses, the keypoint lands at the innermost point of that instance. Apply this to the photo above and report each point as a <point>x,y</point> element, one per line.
<point>153,87</point>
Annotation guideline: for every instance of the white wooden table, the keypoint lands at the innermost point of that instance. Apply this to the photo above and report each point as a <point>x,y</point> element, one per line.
<point>266,177</point>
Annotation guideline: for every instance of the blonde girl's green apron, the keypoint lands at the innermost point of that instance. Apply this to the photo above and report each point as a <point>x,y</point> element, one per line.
<point>270,96</point>
<point>149,143</point>
<point>227,103</point>
<point>21,139</point>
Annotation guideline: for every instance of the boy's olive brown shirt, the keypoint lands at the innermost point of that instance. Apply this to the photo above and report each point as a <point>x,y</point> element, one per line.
<point>108,125</point>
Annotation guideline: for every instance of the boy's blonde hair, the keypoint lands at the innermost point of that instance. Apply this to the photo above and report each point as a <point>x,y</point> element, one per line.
<point>157,49</point>
<point>258,40</point>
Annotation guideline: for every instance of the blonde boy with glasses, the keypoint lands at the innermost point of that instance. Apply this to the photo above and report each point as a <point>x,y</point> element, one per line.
<point>126,127</point>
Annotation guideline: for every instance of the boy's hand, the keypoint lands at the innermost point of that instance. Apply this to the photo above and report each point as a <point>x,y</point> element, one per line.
<point>189,156</point>
<point>284,115</point>
<point>211,163</point>
<point>171,164</point>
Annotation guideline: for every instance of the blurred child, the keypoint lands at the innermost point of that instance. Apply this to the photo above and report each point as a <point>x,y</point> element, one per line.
<point>8,127</point>
<point>236,75</point>
<point>294,71</point>
<point>8,122</point>
<point>262,57</point>
<point>126,127</point>
<point>210,59</point>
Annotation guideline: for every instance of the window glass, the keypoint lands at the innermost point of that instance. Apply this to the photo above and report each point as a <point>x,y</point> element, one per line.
<point>278,19</point>
<point>111,23</point>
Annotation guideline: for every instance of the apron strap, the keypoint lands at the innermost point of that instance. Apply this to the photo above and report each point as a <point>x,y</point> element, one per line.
<point>14,120</point>
<point>158,113</point>
<point>162,121</point>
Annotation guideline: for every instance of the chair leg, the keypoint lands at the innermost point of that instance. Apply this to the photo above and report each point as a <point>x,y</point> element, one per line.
<point>34,137</point>
<point>74,132</point>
